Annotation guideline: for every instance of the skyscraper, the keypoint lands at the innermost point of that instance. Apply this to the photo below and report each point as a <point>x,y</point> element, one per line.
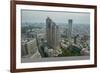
<point>55,35</point>
<point>48,31</point>
<point>70,31</point>
<point>52,33</point>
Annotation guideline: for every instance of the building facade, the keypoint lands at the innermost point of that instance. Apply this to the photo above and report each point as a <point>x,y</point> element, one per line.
<point>52,33</point>
<point>29,48</point>
<point>70,31</point>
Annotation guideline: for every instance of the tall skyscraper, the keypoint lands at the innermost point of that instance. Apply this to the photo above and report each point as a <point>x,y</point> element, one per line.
<point>52,33</point>
<point>55,35</point>
<point>48,31</point>
<point>70,31</point>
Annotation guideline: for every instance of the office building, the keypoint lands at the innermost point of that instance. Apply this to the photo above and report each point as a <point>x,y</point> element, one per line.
<point>70,31</point>
<point>52,33</point>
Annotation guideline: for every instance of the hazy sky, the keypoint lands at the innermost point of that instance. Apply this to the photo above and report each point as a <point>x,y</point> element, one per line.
<point>58,17</point>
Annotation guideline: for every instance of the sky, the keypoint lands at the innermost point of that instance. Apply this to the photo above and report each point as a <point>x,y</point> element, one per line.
<point>36,16</point>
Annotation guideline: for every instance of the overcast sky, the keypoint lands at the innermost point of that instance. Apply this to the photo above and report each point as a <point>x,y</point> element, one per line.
<point>58,17</point>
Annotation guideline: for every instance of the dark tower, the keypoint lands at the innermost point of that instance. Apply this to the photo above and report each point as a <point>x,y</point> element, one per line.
<point>70,31</point>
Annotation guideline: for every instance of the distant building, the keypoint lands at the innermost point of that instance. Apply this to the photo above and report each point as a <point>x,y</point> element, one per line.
<point>52,33</point>
<point>76,39</point>
<point>66,32</point>
<point>70,31</point>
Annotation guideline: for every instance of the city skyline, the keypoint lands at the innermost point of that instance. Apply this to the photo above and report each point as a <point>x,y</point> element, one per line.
<point>52,38</point>
<point>31,16</point>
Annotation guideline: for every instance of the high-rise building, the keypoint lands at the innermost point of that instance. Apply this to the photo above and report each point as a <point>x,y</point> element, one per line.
<point>24,50</point>
<point>48,31</point>
<point>32,46</point>
<point>70,31</point>
<point>55,35</point>
<point>29,48</point>
<point>52,33</point>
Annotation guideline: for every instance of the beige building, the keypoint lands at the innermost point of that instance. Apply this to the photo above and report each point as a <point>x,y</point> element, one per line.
<point>32,46</point>
<point>30,49</point>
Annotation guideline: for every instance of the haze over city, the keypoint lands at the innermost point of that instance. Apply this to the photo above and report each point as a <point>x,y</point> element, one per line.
<point>46,34</point>
<point>34,16</point>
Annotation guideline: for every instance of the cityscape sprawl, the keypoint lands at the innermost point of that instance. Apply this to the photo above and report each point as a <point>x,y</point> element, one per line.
<point>52,39</point>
